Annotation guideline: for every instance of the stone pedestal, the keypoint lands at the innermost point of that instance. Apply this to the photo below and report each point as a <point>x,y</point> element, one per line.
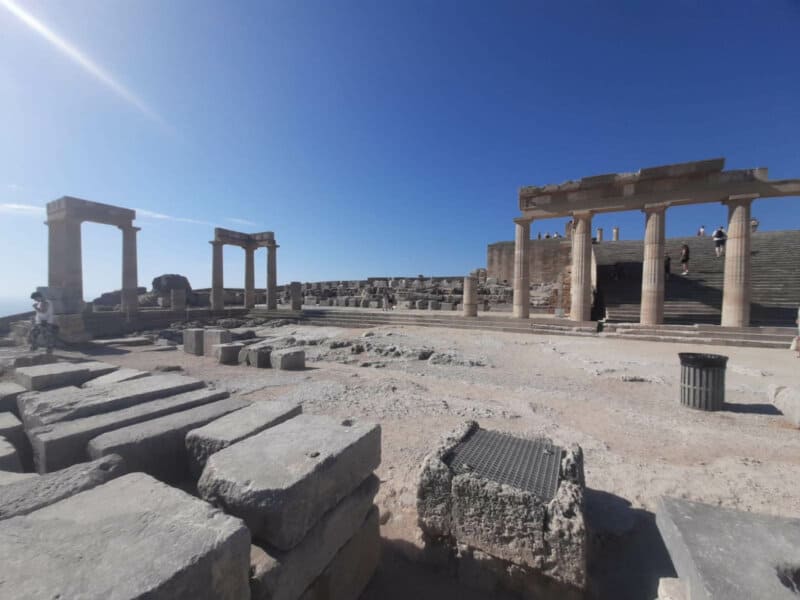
<point>652,308</point>
<point>249,278</point>
<point>130,271</point>
<point>470,297</point>
<point>581,285</point>
<point>272,278</point>
<point>522,234</point>
<point>296,296</point>
<point>736,293</point>
<point>217,281</point>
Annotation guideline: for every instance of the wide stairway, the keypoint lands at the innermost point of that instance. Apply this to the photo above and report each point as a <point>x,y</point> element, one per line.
<point>696,298</point>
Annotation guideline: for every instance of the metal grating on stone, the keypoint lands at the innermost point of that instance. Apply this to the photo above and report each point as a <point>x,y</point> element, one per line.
<point>529,465</point>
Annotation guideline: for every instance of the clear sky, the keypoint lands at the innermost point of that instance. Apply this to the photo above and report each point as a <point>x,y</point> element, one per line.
<point>374,137</point>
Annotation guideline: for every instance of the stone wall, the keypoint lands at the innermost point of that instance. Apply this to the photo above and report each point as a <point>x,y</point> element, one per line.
<point>546,262</point>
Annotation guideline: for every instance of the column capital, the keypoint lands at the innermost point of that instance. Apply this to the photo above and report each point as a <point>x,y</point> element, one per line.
<point>655,208</point>
<point>740,199</point>
<point>582,214</point>
<point>216,243</point>
<point>523,220</point>
<point>129,228</point>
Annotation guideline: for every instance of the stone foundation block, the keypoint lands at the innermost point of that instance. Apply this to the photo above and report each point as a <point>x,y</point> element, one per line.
<point>193,341</point>
<point>62,444</point>
<point>9,459</point>
<point>43,377</point>
<point>227,354</point>
<point>282,480</point>
<point>284,575</point>
<point>259,357</point>
<point>11,429</point>
<point>288,359</point>
<point>133,537</point>
<point>35,492</point>
<point>158,447</point>
<point>351,569</point>
<point>9,391</point>
<point>212,337</point>
<point>226,431</point>
<point>118,376</point>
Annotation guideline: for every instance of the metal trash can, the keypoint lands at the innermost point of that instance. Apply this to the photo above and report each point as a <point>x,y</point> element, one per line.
<point>703,380</point>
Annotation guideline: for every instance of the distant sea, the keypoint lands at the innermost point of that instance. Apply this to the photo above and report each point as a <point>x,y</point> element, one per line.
<point>12,306</point>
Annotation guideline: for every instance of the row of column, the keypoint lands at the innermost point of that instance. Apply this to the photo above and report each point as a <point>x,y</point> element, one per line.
<point>217,279</point>
<point>736,291</point>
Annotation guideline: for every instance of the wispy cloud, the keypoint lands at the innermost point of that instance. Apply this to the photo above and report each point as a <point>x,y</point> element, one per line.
<point>27,210</point>
<point>86,63</point>
<point>236,221</point>
<point>149,214</point>
<point>13,187</point>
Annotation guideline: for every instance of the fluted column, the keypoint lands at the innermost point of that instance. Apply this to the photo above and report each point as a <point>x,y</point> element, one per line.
<point>130,270</point>
<point>272,277</point>
<point>522,236</point>
<point>581,287</point>
<point>217,279</point>
<point>470,299</point>
<point>65,269</point>
<point>652,306</point>
<point>736,293</point>
<point>249,277</point>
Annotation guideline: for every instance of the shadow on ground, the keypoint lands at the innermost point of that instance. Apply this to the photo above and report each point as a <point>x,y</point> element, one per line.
<point>753,409</point>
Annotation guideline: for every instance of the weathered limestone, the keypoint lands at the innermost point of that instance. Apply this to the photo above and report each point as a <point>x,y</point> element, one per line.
<point>288,359</point>
<point>227,354</point>
<point>59,445</point>
<point>226,431</point>
<point>9,459</point>
<point>736,291</point>
<point>284,575</point>
<point>118,376</point>
<point>42,408</point>
<point>249,242</point>
<point>193,341</point>
<point>43,377</point>
<point>32,493</point>
<point>470,296</point>
<point>158,446</point>
<point>177,299</point>
<point>133,537</point>
<point>212,337</point>
<point>522,300</point>
<point>272,277</point>
<point>130,278</point>
<point>581,285</point>
<point>282,480</point>
<point>249,277</point>
<point>255,356</point>
<point>10,477</point>
<point>652,307</point>
<point>296,296</point>
<point>9,391</point>
<point>11,429</point>
<point>217,277</point>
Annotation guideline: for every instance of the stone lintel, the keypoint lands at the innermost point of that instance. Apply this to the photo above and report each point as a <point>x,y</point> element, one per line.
<point>77,209</point>
<point>245,240</point>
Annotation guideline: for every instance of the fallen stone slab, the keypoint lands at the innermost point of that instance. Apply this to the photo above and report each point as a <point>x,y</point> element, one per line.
<point>730,554</point>
<point>227,354</point>
<point>131,538</point>
<point>118,376</point>
<point>213,337</point>
<point>193,341</point>
<point>29,494</point>
<point>280,575</point>
<point>43,377</point>
<point>62,444</point>
<point>11,429</point>
<point>129,341</point>
<point>9,459</point>
<point>205,441</point>
<point>158,446</point>
<point>353,566</point>
<point>16,359</point>
<point>43,408</point>
<point>9,391</point>
<point>288,359</point>
<point>282,480</point>
<point>787,400</point>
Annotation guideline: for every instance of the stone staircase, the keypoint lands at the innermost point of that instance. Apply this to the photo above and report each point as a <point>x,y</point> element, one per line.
<point>697,298</point>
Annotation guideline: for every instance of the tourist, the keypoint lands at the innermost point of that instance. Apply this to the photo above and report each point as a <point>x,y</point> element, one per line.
<point>754,223</point>
<point>702,231</point>
<point>667,266</point>
<point>539,235</point>
<point>547,236</point>
<point>43,327</point>
<point>556,236</point>
<point>720,237</point>
<point>685,259</point>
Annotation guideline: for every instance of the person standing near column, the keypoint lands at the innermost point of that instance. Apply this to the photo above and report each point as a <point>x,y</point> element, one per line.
<point>685,259</point>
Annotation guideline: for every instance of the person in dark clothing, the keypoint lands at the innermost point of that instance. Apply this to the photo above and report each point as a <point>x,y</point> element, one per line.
<point>685,259</point>
<point>667,266</point>
<point>719,237</point>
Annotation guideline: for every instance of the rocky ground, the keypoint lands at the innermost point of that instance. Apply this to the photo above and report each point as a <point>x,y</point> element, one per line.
<point>618,399</point>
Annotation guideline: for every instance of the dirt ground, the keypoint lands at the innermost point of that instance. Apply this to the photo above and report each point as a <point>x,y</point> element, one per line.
<point>618,399</point>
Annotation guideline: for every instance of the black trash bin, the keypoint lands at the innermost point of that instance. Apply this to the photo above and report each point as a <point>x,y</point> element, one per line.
<point>703,380</point>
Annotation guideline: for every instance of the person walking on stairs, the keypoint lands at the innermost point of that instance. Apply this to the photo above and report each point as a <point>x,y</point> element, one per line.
<point>719,237</point>
<point>667,266</point>
<point>685,259</point>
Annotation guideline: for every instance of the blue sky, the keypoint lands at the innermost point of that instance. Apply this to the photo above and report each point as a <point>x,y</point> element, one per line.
<point>373,137</point>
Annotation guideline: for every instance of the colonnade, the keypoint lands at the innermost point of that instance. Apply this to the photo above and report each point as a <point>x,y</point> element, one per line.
<point>249,243</point>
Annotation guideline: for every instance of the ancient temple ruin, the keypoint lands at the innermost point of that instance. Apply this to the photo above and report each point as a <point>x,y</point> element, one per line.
<point>249,242</point>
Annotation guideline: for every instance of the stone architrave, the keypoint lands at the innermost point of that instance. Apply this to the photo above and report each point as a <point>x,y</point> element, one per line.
<point>522,235</point>
<point>736,290</point>
<point>652,308</point>
<point>581,285</point>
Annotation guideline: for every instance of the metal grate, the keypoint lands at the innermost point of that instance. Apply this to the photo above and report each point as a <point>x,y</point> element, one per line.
<point>529,465</point>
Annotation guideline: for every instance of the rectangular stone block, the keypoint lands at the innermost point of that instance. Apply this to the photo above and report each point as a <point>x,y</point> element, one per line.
<point>177,299</point>
<point>9,391</point>
<point>193,341</point>
<point>42,408</point>
<point>43,377</point>
<point>9,459</point>
<point>158,447</point>
<point>288,359</point>
<point>351,569</point>
<point>11,429</point>
<point>32,493</point>
<point>259,357</point>
<point>205,441</point>
<point>227,354</point>
<point>434,305</point>
<point>61,444</point>
<point>118,376</point>
<point>131,538</point>
<point>280,575</point>
<point>282,480</point>
<point>212,337</point>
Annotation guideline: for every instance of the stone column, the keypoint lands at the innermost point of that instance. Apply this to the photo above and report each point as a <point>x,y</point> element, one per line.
<point>217,279</point>
<point>470,299</point>
<point>130,270</point>
<point>581,287</point>
<point>615,234</point>
<point>599,236</point>
<point>522,231</point>
<point>272,278</point>
<point>249,277</point>
<point>652,307</point>
<point>65,269</point>
<point>736,293</point>
<point>177,299</point>
<point>296,296</point>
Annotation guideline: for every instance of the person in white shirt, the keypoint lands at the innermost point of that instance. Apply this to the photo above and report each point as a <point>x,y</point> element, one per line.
<point>42,330</point>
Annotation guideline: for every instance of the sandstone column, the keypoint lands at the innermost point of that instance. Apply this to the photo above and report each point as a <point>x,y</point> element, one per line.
<point>615,234</point>
<point>581,288</point>
<point>470,299</point>
<point>217,279</point>
<point>736,293</point>
<point>522,291</point>
<point>65,270</point>
<point>249,277</point>
<point>652,307</point>
<point>130,270</point>
<point>599,236</point>
<point>296,295</point>
<point>272,277</point>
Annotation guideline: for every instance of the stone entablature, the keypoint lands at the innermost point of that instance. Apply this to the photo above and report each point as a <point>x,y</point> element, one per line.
<point>249,242</point>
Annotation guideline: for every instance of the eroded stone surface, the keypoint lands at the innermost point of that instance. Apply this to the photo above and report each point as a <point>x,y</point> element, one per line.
<point>42,377</point>
<point>213,337</point>
<point>227,354</point>
<point>133,537</point>
<point>9,391</point>
<point>193,341</point>
<point>288,359</point>
<point>117,376</point>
